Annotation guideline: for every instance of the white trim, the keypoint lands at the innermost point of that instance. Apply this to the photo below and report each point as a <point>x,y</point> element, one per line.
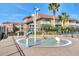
<point>69,42</point>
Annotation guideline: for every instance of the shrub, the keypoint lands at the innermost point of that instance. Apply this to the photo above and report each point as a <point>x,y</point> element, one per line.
<point>15,29</point>
<point>48,27</point>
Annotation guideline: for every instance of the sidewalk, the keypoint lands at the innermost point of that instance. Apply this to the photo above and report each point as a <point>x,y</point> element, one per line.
<point>8,47</point>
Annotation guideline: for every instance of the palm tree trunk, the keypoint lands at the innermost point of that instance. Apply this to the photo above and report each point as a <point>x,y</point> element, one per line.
<point>54,16</point>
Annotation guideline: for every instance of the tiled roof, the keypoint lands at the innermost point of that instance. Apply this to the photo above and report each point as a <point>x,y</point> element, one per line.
<point>39,16</point>
<point>7,23</point>
<point>16,23</point>
<point>72,20</point>
<point>29,18</point>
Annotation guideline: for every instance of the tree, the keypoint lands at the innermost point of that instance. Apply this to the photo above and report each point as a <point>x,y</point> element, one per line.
<point>63,18</point>
<point>53,7</point>
<point>48,27</point>
<point>15,28</point>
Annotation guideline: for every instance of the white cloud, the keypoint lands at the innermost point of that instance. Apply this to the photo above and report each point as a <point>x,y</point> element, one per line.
<point>12,15</point>
<point>75,16</point>
<point>15,15</point>
<point>20,7</point>
<point>23,8</point>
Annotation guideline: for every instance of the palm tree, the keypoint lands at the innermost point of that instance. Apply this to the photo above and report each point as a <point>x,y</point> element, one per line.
<point>63,18</point>
<point>53,7</point>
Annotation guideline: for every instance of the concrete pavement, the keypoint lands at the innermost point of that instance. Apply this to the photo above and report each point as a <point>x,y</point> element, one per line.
<point>8,47</point>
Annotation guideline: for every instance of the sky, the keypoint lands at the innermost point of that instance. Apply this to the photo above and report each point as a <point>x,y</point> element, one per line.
<point>15,12</point>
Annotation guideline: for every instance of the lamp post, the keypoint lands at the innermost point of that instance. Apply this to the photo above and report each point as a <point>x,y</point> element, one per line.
<point>34,19</point>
